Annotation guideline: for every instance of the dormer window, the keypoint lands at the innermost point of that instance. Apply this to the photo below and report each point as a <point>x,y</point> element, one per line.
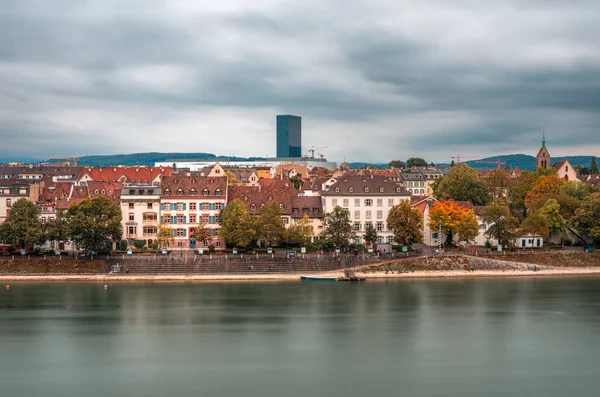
<point>211,181</point>
<point>96,191</point>
<point>245,198</point>
<point>351,189</point>
<point>398,189</point>
<point>167,192</point>
<point>218,192</point>
<point>381,189</point>
<point>193,181</point>
<point>270,198</point>
<point>179,192</point>
<point>281,206</point>
<point>205,192</point>
<point>337,189</point>
<point>193,192</point>
<point>253,207</point>
<point>366,190</point>
<point>103,191</point>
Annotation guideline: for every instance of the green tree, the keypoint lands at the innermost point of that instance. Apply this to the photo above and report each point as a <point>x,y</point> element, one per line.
<point>22,227</point>
<point>577,190</point>
<point>462,184</point>
<point>416,162</point>
<point>502,224</point>
<point>95,224</point>
<point>406,223</point>
<point>299,233</point>
<point>370,234</point>
<point>452,163</point>
<point>396,164</point>
<point>524,184</point>
<point>536,224</point>
<point>468,227</point>
<point>556,222</point>
<point>568,204</point>
<point>338,228</point>
<point>202,233</point>
<point>594,166</point>
<point>587,217</point>
<point>297,181</point>
<point>498,183</point>
<point>237,225</point>
<point>57,229</point>
<point>269,226</point>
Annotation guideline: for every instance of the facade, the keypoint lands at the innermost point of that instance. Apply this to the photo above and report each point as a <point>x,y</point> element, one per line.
<point>311,207</point>
<point>415,182</point>
<point>11,191</point>
<point>565,170</point>
<point>289,136</point>
<point>369,200</point>
<point>140,206</point>
<point>188,201</point>
<point>530,242</point>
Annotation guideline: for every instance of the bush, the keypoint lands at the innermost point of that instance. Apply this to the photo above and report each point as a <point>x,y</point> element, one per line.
<point>122,245</point>
<point>211,249</point>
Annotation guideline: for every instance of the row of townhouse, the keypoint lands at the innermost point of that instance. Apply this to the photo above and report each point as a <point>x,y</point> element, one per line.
<point>419,181</point>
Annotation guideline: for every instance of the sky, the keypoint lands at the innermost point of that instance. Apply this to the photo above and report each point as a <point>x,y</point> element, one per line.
<point>374,80</point>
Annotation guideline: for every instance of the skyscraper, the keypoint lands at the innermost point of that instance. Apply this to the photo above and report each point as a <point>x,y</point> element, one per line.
<point>289,136</point>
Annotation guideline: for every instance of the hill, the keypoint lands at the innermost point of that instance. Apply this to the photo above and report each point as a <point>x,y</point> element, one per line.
<point>524,161</point>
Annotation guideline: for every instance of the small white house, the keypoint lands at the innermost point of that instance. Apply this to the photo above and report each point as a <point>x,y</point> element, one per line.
<point>530,242</point>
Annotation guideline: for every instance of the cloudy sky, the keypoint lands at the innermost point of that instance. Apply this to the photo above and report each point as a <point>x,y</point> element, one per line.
<point>374,80</point>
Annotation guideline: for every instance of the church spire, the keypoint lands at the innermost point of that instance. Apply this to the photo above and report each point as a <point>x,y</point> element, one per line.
<point>544,139</point>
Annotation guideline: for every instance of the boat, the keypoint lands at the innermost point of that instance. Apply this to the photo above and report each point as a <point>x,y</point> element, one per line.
<point>315,278</point>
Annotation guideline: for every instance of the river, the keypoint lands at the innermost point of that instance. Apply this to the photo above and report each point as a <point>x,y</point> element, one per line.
<point>459,337</point>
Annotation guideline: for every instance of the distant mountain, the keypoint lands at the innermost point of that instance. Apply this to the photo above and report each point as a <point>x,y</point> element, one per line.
<point>524,161</point>
<point>149,159</point>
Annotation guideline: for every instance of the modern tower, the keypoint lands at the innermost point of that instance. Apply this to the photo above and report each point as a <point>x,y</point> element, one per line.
<point>289,136</point>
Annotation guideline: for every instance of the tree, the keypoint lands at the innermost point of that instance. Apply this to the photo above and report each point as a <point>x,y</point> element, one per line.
<point>57,229</point>
<point>396,164</point>
<point>370,234</point>
<point>525,183</point>
<point>452,163</point>
<point>502,223</point>
<point>416,162</point>
<point>231,178</point>
<point>299,233</point>
<point>95,224</point>
<point>22,227</point>
<point>498,183</point>
<point>297,181</point>
<point>164,236</point>
<point>536,224</point>
<point>556,222</point>
<point>577,190</point>
<point>338,228</point>
<point>406,223</point>
<point>547,184</point>
<point>587,217</point>
<point>202,233</point>
<point>462,184</point>
<point>238,227</point>
<point>453,219</point>
<point>594,166</point>
<point>269,226</point>
<point>568,204</point>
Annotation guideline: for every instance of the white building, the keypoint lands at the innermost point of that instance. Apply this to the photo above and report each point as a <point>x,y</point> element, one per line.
<point>369,200</point>
<point>140,206</point>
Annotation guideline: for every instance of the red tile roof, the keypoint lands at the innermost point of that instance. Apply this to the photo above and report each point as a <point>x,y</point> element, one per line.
<point>126,174</point>
<point>192,185</point>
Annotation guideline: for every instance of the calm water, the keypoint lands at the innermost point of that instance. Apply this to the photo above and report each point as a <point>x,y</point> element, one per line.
<point>503,337</point>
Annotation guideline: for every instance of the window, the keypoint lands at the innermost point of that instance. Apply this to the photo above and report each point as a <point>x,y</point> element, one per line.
<point>356,240</point>
<point>368,214</point>
<point>218,192</point>
<point>398,189</point>
<point>357,226</point>
<point>379,226</point>
<point>345,203</point>
<point>284,220</point>
<point>8,203</point>
<point>180,207</point>
<point>205,206</point>
<point>218,244</point>
<point>366,190</point>
<point>482,226</point>
<point>149,230</point>
<point>357,202</point>
<point>218,206</point>
<point>253,207</point>
<point>390,239</point>
<point>131,231</point>
<point>192,192</point>
<point>333,203</point>
<point>180,233</point>
<point>205,243</point>
<point>43,219</point>
<point>150,216</point>
<point>379,239</point>
<point>192,218</point>
<point>179,192</point>
<point>368,202</point>
<point>205,219</point>
<point>435,235</point>
<point>205,192</point>
<point>167,192</point>
<point>390,202</point>
<point>131,206</point>
<point>379,214</point>
<point>192,206</point>
<point>351,190</point>
<point>281,206</point>
<point>337,189</point>
<point>131,217</point>
<point>149,206</point>
<point>150,192</point>
<point>131,192</point>
<point>356,214</point>
<point>180,219</point>
<point>380,202</point>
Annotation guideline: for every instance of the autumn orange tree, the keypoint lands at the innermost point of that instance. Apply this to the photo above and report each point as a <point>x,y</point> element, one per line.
<point>548,184</point>
<point>454,220</point>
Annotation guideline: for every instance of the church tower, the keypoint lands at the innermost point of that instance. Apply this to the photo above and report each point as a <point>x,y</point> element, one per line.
<point>543,157</point>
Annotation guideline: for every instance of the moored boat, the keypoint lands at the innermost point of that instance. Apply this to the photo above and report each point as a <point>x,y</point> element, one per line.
<point>316,278</point>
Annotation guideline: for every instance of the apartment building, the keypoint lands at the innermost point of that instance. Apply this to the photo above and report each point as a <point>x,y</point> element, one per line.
<point>11,191</point>
<point>369,200</point>
<point>140,206</point>
<point>189,200</point>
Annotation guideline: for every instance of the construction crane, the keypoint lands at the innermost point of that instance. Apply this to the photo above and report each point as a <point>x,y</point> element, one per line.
<point>458,157</point>
<point>74,159</point>
<point>499,162</point>
<point>313,149</point>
